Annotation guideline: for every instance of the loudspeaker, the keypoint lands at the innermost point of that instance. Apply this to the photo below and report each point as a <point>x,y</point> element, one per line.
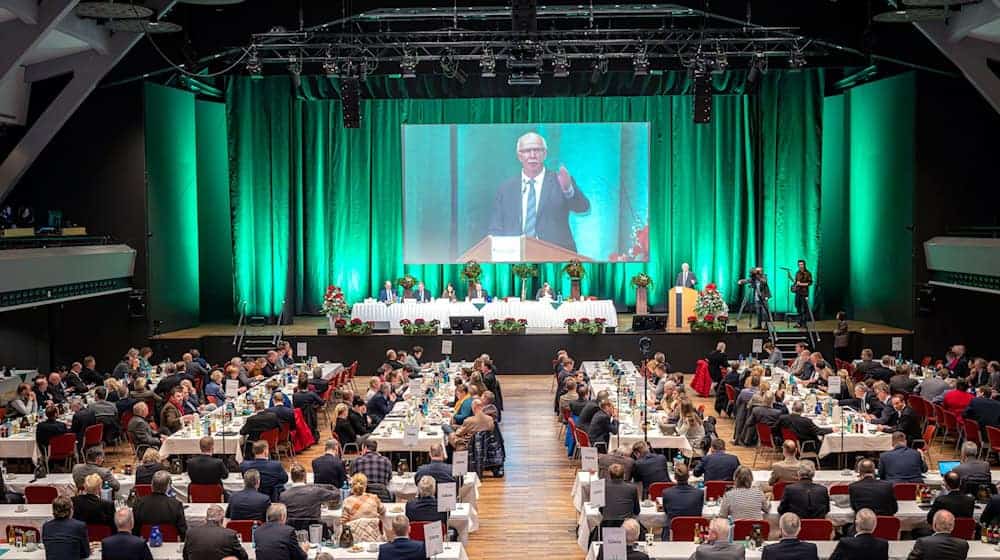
<point>321,332</point>
<point>609,330</point>
<point>651,322</point>
<point>925,300</point>
<point>137,304</point>
<point>524,16</point>
<point>351,98</point>
<point>380,326</point>
<point>702,99</point>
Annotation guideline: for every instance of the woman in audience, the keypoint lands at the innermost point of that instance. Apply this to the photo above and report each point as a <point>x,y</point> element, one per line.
<point>362,511</point>
<point>763,397</point>
<point>144,355</point>
<point>214,388</point>
<point>113,386</point>
<point>25,404</point>
<point>149,466</point>
<point>142,393</point>
<point>690,426</point>
<point>344,428</point>
<point>744,501</point>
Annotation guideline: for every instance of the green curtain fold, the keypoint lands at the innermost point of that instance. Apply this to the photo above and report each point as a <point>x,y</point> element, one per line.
<point>314,204</point>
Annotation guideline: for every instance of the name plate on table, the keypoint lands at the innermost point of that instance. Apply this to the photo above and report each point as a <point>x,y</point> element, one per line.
<point>409,300</point>
<point>447,497</point>
<point>460,463</point>
<point>446,348</point>
<point>614,543</point>
<point>369,300</point>
<point>597,492</point>
<point>833,385</point>
<point>505,248</point>
<point>411,435</point>
<point>478,300</point>
<point>415,386</point>
<point>232,387</point>
<point>433,539</point>
<point>588,457</point>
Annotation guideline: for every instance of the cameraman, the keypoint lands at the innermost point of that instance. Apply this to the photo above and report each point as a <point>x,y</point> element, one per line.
<point>761,294</point>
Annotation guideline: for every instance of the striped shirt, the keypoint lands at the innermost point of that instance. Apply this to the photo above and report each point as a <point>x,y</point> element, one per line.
<point>744,503</point>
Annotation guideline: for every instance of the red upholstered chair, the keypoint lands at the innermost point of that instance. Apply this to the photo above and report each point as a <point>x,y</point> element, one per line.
<point>93,435</point>
<point>271,437</point>
<point>840,490</point>
<point>965,528</point>
<point>682,528</point>
<point>778,490</point>
<point>168,531</point>
<point>40,494</point>
<point>143,490</point>
<point>743,528</point>
<point>244,527</point>
<point>62,448</point>
<point>765,440</point>
<point>730,393</point>
<point>816,530</point>
<point>905,490</point>
<point>887,527</point>
<point>212,400</point>
<point>204,493</point>
<point>417,530</point>
<point>656,489</point>
<point>993,435</point>
<point>972,432</point>
<point>714,489</point>
<point>97,533</point>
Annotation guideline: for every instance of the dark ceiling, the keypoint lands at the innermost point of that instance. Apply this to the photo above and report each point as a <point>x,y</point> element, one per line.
<point>212,29</point>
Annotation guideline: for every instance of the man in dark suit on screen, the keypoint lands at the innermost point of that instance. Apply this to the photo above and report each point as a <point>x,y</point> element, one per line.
<point>538,202</point>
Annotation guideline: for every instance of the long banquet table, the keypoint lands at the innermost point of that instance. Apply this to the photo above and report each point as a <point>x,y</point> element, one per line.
<point>539,314</point>
<point>174,551</point>
<point>898,550</point>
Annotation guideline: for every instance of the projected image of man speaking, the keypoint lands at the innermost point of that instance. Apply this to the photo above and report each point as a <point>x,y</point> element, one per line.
<point>537,203</point>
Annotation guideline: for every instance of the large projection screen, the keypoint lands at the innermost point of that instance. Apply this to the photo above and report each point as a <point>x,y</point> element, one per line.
<point>512,192</point>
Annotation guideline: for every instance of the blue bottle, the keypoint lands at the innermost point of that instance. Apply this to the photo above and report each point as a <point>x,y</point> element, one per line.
<point>345,491</point>
<point>253,536</point>
<point>106,491</point>
<point>155,537</point>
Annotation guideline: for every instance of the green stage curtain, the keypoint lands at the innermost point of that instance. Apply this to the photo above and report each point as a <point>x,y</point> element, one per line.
<point>314,204</point>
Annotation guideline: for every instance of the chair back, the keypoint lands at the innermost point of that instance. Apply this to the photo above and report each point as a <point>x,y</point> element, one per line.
<point>582,439</point>
<point>417,530</point>
<point>930,410</point>
<point>887,527</point>
<point>97,533</point>
<point>212,400</point>
<point>840,490</point>
<point>271,437</point>
<point>142,490</point>
<point>730,393</point>
<point>993,435</point>
<point>682,528</point>
<point>168,530</point>
<point>765,438</point>
<point>40,494</point>
<point>816,530</point>
<point>244,527</point>
<point>204,493</point>
<point>916,402</point>
<point>62,446</point>
<point>905,490</point>
<point>778,490</point>
<point>788,433</point>
<point>93,435</point>
<point>929,432</point>
<point>656,489</point>
<point>972,432</point>
<point>965,528</point>
<point>950,420</point>
<point>714,489</point>
<point>743,528</point>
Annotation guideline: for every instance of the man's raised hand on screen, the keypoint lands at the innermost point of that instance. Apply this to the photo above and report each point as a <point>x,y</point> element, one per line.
<point>565,180</point>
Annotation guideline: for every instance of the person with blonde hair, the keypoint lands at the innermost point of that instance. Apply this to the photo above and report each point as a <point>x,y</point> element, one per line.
<point>342,425</point>
<point>690,425</point>
<point>90,508</point>
<point>362,511</point>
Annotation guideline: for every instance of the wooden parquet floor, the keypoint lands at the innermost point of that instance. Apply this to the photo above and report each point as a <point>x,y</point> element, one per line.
<point>528,514</point>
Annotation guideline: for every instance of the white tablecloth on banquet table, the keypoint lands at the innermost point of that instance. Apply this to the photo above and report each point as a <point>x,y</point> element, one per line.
<point>19,446</point>
<point>329,370</point>
<point>898,550</point>
<point>185,442</point>
<point>378,311</point>
<point>539,314</point>
<point>593,368</point>
<point>174,551</point>
<point>855,443</point>
<point>603,308</point>
<point>910,516</point>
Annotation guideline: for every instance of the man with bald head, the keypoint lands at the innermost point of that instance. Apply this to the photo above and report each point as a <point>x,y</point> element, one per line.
<point>537,203</point>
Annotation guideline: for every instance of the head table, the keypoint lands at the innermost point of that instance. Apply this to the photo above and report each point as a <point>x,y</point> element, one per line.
<point>539,314</point>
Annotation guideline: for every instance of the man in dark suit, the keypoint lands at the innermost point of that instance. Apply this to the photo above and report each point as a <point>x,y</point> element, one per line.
<point>303,501</point>
<point>424,506</point>
<point>983,409</point>
<point>328,468</point>
<point>685,277</point>
<point>867,363</point>
<point>63,536</point>
<point>863,545</point>
<point>590,409</point>
<point>545,292</point>
<point>259,422</point>
<point>717,465</point>
<point>280,408</point>
<point>537,203</point>
<point>402,547</point>
<point>972,469</point>
<point>618,456</point>
<point>621,499</point>
<point>805,498</point>
<point>790,547</point>
<point>718,546</point>
<point>420,293</point>
<point>388,294</point>
<point>871,493</point>
<point>275,540</point>
<point>941,545</point>
<point>83,418</point>
<point>436,468</point>
<point>272,475</point>
<point>954,501</point>
<point>901,418</point>
<point>902,464</point>
<point>204,468</point>
<point>632,529</point>
<point>381,403</point>
<point>212,541</point>
<point>160,509</point>
<point>682,500</point>
<point>123,545</point>
<point>248,504</point>
<point>604,423</point>
<point>49,428</point>
<point>803,427</point>
<point>649,467</point>
<point>90,508</point>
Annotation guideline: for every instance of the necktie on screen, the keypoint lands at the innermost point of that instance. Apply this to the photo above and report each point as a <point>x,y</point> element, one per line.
<point>529,215</point>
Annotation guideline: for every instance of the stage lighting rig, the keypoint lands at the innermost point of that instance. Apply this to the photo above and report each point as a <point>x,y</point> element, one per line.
<point>488,64</point>
<point>254,67</point>
<point>408,64</point>
<point>640,63</point>
<point>560,64</point>
<point>796,60</point>
<point>295,71</point>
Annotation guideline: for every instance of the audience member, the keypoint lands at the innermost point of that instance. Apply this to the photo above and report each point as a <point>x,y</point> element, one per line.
<point>804,498</point>
<point>681,500</point>
<point>972,469</point>
<point>123,545</point>
<point>870,493</point>
<point>718,546</point>
<point>95,460</point>
<point>744,500</point>
<point>632,530</point>
<point>941,545</point>
<point>401,547</point>
<point>863,545</point>
<point>362,511</point>
<point>328,468</point>
<point>160,509</point>
<point>621,499</point>
<point>275,540</point>
<point>786,470</point>
<point>272,475</point>
<point>376,468</point>
<point>149,466</point>
<point>804,428</point>
<point>424,506</point>
<point>204,468</point>
<point>952,500</point>
<point>717,465</point>
<point>436,468</point>
<point>249,503</point>
<point>478,422</point>
<point>303,501</point>
<point>902,464</point>
<point>64,537</point>
<point>212,541</point>
<point>790,547</point>
<point>90,508</point>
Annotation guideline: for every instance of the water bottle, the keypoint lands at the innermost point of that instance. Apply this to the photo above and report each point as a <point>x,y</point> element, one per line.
<point>732,525</point>
<point>155,537</point>
<point>253,536</point>
<point>106,491</point>
<point>345,491</point>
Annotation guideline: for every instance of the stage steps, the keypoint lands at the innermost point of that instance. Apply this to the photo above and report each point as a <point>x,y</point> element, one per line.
<point>256,346</point>
<point>786,341</point>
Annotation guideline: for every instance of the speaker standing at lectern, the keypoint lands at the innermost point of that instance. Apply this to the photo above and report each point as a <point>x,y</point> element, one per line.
<point>685,277</point>
<point>538,202</point>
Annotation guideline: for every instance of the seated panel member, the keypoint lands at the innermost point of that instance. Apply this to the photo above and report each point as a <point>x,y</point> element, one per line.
<point>545,291</point>
<point>387,294</point>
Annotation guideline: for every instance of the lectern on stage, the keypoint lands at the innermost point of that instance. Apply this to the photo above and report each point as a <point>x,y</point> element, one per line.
<point>680,304</point>
<point>516,249</point>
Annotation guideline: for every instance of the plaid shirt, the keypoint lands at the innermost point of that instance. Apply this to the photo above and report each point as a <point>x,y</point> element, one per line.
<point>376,467</point>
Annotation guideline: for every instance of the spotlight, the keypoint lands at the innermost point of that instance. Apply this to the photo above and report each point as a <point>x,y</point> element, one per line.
<point>795,60</point>
<point>640,64</point>
<point>254,67</point>
<point>560,64</point>
<point>488,64</point>
<point>451,68</point>
<point>330,67</point>
<point>758,66</point>
<point>408,65</point>
<point>295,70</point>
<point>599,68</point>
<point>721,61</point>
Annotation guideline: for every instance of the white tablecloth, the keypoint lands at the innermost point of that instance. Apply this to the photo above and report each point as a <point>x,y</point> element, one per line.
<point>174,551</point>
<point>603,308</point>
<point>881,441</point>
<point>898,550</point>
<point>19,446</point>
<point>185,442</point>
<point>540,314</point>
<point>378,311</point>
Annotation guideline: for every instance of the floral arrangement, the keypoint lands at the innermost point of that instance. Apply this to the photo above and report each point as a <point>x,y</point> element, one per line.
<point>354,327</point>
<point>334,303</point>
<point>509,325</point>
<point>639,251</point>
<point>711,311</point>
<point>642,280</point>
<point>472,271</point>
<point>574,269</point>
<point>524,271</point>
<point>419,327</point>
<point>407,281</point>
<point>585,325</point>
